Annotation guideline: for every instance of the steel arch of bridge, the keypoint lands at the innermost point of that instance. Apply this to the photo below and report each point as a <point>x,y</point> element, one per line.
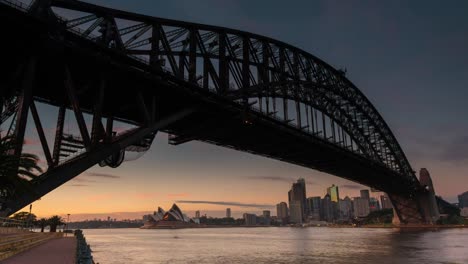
<point>259,73</point>
<point>245,65</point>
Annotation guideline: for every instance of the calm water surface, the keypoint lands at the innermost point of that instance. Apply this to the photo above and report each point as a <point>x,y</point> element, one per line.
<point>278,245</point>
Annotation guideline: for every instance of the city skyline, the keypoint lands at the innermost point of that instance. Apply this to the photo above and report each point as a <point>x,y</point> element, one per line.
<point>200,172</point>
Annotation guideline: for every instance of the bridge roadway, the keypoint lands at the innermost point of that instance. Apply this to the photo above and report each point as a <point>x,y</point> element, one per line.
<point>63,57</point>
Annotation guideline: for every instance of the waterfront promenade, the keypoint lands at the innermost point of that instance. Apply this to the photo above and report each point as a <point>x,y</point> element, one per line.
<point>58,250</point>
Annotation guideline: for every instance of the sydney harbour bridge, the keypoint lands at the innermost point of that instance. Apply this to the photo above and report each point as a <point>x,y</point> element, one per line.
<point>195,82</point>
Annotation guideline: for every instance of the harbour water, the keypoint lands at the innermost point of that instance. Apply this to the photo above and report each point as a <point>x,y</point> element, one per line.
<point>278,245</point>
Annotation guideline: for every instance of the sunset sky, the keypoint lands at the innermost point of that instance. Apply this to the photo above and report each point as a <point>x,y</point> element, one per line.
<point>409,58</point>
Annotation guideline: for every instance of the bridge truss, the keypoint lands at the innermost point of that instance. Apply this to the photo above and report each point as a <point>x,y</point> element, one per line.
<point>260,77</point>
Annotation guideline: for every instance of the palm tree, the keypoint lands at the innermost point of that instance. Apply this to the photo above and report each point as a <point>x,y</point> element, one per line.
<point>42,223</point>
<point>55,221</point>
<point>15,172</point>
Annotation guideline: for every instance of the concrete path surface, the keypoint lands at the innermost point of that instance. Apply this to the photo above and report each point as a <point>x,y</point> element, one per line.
<point>55,251</point>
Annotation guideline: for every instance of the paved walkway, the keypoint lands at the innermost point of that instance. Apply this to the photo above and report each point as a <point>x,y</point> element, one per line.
<point>55,251</point>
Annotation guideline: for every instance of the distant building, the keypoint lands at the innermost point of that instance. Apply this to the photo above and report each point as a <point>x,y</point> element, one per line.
<point>385,202</point>
<point>345,209</point>
<point>250,219</point>
<point>266,217</point>
<point>365,194</point>
<point>295,212</point>
<point>313,204</point>
<point>374,204</point>
<point>463,200</point>
<point>464,212</point>
<point>228,212</point>
<point>333,192</point>
<point>361,207</point>
<point>298,193</point>
<point>197,214</point>
<point>174,218</point>
<point>282,212</point>
<point>327,210</point>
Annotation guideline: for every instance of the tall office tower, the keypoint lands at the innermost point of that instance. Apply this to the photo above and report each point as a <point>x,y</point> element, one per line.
<point>266,213</point>
<point>374,204</point>
<point>345,209</point>
<point>298,193</point>
<point>361,207</point>
<point>463,200</point>
<point>266,217</point>
<point>228,212</point>
<point>432,207</point>
<point>385,202</point>
<point>282,212</point>
<point>197,214</point>
<point>333,192</point>
<point>327,210</point>
<point>295,212</point>
<point>250,219</point>
<point>365,194</point>
<point>313,206</point>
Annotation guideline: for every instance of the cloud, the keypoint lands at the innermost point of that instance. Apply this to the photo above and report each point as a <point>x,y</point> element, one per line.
<point>276,179</point>
<point>173,195</point>
<point>145,196</point>
<point>78,185</point>
<point>456,150</point>
<point>272,178</point>
<point>80,179</point>
<point>99,197</point>
<point>31,142</point>
<point>227,203</point>
<point>102,175</point>
<point>351,186</point>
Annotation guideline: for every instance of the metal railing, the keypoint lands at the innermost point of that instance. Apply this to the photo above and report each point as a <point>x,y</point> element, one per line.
<point>83,251</point>
<point>17,4</point>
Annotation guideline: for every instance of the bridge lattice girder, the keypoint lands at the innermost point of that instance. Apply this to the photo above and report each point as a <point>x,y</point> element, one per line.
<point>228,61</point>
<point>259,73</point>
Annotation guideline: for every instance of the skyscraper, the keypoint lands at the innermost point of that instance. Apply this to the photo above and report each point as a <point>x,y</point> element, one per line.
<point>228,212</point>
<point>333,192</point>
<point>250,219</point>
<point>345,209</point>
<point>282,212</point>
<point>326,211</point>
<point>295,212</point>
<point>374,204</point>
<point>361,206</point>
<point>463,200</point>
<point>313,204</point>
<point>365,194</point>
<point>298,193</point>
<point>197,214</point>
<point>385,202</point>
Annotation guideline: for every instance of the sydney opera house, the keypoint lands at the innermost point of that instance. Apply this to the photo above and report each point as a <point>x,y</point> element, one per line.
<point>174,218</point>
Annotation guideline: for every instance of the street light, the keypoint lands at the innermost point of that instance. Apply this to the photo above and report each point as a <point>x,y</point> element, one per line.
<point>68,220</point>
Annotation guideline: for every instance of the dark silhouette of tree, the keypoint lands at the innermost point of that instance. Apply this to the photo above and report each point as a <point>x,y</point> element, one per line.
<point>24,216</point>
<point>15,171</point>
<point>55,221</point>
<point>42,223</point>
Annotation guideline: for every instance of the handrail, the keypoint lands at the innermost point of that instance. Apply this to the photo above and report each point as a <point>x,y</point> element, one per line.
<point>83,251</point>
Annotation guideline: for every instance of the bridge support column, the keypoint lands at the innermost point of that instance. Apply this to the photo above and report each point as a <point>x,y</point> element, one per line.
<point>421,209</point>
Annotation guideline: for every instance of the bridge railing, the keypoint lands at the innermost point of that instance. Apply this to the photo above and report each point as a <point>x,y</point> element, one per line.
<point>144,60</point>
<point>16,4</point>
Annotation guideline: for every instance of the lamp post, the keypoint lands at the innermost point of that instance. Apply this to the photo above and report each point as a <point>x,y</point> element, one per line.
<point>68,220</point>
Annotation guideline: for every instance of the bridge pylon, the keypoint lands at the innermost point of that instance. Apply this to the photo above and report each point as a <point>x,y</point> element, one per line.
<point>420,208</point>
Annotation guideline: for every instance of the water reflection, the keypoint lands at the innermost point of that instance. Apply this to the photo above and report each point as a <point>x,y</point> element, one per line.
<point>279,245</point>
